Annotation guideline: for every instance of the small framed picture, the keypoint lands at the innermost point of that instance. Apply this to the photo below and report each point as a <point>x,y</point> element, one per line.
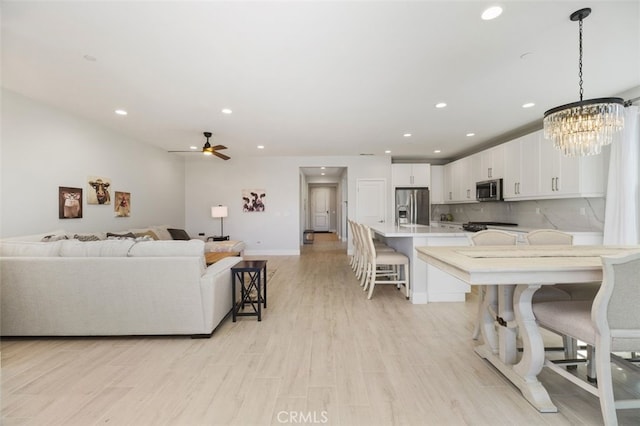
<point>253,200</point>
<point>69,203</point>
<point>122,205</point>
<point>98,191</point>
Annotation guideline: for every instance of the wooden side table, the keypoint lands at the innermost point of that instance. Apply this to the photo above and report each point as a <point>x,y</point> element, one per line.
<point>251,275</point>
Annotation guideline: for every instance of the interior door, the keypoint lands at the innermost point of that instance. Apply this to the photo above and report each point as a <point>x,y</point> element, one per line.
<point>320,205</point>
<point>371,201</point>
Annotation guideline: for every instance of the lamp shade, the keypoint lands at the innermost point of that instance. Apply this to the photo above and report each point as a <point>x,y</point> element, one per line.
<point>219,211</point>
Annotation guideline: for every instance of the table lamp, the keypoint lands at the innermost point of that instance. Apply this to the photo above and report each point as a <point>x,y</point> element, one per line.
<point>220,212</point>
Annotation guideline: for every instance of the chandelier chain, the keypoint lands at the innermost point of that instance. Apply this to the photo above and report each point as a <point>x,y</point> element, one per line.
<point>580,61</point>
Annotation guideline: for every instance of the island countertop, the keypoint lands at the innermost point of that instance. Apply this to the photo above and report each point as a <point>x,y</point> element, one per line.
<point>392,230</point>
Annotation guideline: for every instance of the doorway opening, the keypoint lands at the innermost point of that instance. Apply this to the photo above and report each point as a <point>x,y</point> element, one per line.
<point>323,206</point>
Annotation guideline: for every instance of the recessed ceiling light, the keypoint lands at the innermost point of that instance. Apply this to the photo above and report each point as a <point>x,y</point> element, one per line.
<point>441,105</point>
<point>491,13</point>
<point>528,105</point>
<point>323,168</point>
<point>193,147</point>
<point>260,146</point>
<point>407,135</point>
<point>470,134</point>
<point>322,174</point>
<point>121,112</point>
<point>437,151</point>
<point>226,111</point>
<point>387,152</point>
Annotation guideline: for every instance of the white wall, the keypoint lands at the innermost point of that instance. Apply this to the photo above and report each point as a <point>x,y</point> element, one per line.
<point>43,148</point>
<point>278,230</point>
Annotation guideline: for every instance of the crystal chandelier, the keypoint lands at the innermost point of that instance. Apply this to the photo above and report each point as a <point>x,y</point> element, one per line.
<point>584,127</point>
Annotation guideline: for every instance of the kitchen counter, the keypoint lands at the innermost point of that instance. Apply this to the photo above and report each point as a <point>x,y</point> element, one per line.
<point>418,231</point>
<point>428,283</point>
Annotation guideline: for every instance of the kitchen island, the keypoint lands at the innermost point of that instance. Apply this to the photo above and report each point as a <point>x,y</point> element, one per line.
<point>428,283</point>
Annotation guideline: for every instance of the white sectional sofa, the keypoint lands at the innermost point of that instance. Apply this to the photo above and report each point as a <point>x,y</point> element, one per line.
<point>111,287</point>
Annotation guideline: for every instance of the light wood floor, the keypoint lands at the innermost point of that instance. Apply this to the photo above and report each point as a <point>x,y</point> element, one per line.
<point>323,354</point>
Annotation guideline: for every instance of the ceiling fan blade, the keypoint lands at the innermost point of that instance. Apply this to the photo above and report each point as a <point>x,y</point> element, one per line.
<point>218,147</point>
<point>224,157</point>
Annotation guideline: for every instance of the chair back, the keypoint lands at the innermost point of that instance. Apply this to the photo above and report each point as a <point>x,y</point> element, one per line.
<point>493,237</point>
<point>367,241</point>
<point>548,237</point>
<point>615,309</point>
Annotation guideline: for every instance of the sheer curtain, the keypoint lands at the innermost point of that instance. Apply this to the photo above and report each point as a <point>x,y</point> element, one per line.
<point>622,207</point>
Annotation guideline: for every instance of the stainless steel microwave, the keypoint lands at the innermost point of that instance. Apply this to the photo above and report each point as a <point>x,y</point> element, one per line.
<point>489,190</point>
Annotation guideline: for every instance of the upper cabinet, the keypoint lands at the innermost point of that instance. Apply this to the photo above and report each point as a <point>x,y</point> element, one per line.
<point>521,171</point>
<point>436,190</point>
<point>418,175</point>
<point>534,169</point>
<point>531,169</point>
<point>460,180</point>
<point>567,177</point>
<point>492,163</point>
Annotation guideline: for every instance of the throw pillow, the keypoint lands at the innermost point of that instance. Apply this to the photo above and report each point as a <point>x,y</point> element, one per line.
<point>54,237</point>
<point>149,234</point>
<point>178,234</point>
<point>112,236</point>
<point>86,237</point>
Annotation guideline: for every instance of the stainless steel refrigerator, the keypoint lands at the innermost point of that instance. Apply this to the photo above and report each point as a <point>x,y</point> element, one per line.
<point>412,206</point>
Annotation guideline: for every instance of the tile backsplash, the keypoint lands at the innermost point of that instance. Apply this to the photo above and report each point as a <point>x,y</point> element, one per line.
<point>570,214</point>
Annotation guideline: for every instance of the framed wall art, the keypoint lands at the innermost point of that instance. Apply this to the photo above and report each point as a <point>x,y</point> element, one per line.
<point>253,200</point>
<point>122,204</point>
<point>69,202</point>
<point>98,191</point>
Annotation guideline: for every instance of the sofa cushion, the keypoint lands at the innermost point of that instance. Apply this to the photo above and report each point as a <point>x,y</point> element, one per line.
<point>30,248</point>
<point>106,248</point>
<point>178,234</point>
<point>191,248</point>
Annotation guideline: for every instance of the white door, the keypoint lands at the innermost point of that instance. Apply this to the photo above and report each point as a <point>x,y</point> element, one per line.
<point>320,205</point>
<point>371,201</point>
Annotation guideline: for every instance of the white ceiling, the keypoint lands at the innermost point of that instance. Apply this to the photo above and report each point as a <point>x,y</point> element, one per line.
<point>316,78</point>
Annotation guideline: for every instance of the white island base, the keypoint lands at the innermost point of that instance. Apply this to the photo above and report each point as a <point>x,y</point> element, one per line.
<point>428,283</point>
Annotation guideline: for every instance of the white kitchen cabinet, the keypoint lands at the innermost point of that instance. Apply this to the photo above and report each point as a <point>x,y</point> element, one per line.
<point>460,181</point>
<point>436,190</point>
<point>407,175</point>
<point>448,182</point>
<point>570,177</point>
<point>492,163</point>
<point>534,169</point>
<point>521,168</point>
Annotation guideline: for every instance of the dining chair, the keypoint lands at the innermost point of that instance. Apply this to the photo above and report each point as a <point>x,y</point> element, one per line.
<point>611,323</point>
<point>489,237</point>
<point>577,291</point>
<point>390,261</point>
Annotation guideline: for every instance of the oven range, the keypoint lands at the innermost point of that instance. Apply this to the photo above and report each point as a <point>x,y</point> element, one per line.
<point>481,226</point>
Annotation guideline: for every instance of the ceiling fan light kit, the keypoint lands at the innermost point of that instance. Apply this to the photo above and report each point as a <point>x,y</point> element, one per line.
<point>209,150</point>
<point>584,127</point>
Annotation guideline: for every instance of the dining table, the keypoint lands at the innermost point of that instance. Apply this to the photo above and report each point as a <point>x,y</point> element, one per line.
<point>511,275</point>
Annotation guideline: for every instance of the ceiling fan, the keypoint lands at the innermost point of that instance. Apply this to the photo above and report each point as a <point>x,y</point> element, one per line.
<point>207,149</point>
